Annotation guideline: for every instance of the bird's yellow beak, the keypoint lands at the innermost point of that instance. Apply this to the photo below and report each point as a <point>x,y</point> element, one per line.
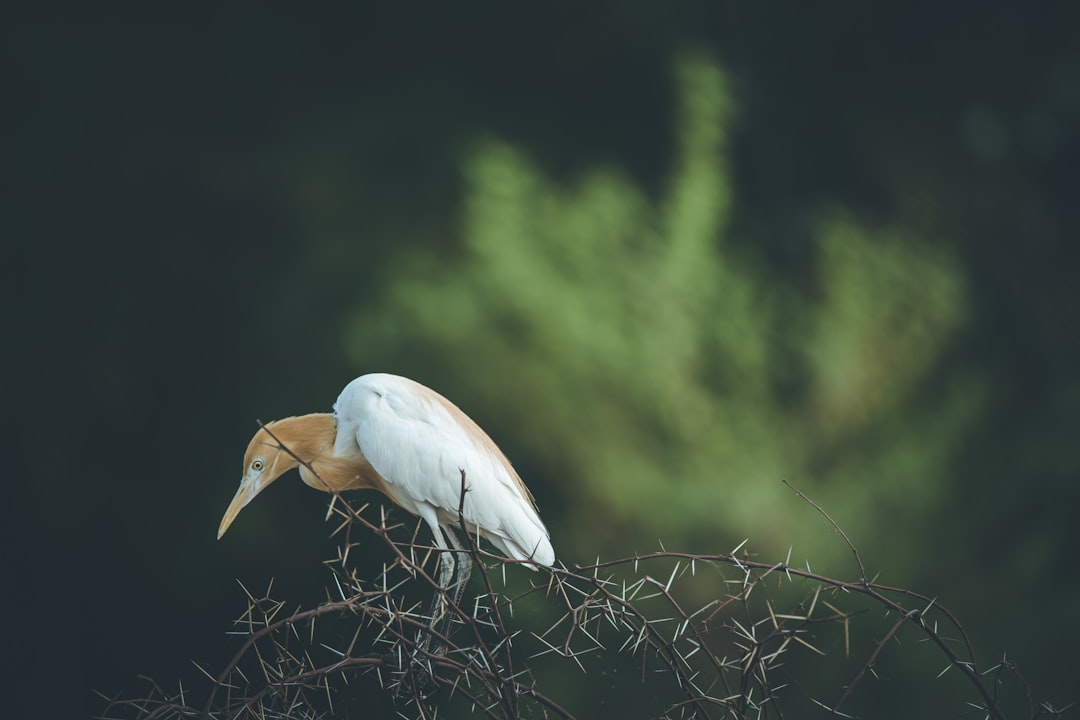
<point>243,496</point>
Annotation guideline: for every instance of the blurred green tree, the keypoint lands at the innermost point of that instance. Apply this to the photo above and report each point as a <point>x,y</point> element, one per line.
<point>661,380</point>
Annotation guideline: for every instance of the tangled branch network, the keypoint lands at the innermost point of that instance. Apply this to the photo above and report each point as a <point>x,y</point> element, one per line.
<point>668,634</point>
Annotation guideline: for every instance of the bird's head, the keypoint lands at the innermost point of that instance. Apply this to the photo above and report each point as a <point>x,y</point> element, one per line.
<point>264,462</point>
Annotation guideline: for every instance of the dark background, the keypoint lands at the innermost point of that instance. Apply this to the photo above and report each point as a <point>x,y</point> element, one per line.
<point>160,167</point>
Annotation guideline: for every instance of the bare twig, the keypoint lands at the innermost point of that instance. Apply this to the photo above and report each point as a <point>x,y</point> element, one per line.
<point>710,637</point>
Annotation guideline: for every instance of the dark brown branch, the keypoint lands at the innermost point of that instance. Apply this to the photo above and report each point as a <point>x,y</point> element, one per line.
<point>721,659</point>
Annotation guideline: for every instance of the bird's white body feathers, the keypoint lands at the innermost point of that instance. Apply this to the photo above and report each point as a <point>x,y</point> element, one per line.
<point>419,442</point>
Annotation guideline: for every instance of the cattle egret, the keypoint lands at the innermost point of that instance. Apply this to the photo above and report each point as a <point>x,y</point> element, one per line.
<point>394,435</point>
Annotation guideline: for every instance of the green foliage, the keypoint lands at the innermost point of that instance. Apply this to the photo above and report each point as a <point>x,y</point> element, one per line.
<point>641,362</point>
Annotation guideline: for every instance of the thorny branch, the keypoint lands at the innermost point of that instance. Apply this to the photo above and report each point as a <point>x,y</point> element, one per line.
<point>709,643</point>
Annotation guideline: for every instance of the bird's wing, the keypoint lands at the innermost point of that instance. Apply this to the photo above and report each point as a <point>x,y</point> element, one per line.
<point>419,442</point>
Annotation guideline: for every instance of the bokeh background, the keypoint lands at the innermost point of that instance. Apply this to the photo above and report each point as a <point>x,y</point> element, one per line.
<point>668,254</point>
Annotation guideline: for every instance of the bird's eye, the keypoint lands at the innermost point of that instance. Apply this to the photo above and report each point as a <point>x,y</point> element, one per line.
<point>257,465</point>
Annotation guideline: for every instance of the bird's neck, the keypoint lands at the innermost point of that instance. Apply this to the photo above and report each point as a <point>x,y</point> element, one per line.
<point>311,439</point>
<point>306,437</point>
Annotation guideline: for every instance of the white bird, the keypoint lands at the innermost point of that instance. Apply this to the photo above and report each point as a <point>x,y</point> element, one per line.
<point>394,435</point>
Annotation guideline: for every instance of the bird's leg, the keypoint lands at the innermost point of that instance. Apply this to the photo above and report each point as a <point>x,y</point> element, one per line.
<point>446,574</point>
<point>438,600</point>
<point>463,565</point>
<point>447,565</point>
<point>453,576</point>
<point>418,676</point>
